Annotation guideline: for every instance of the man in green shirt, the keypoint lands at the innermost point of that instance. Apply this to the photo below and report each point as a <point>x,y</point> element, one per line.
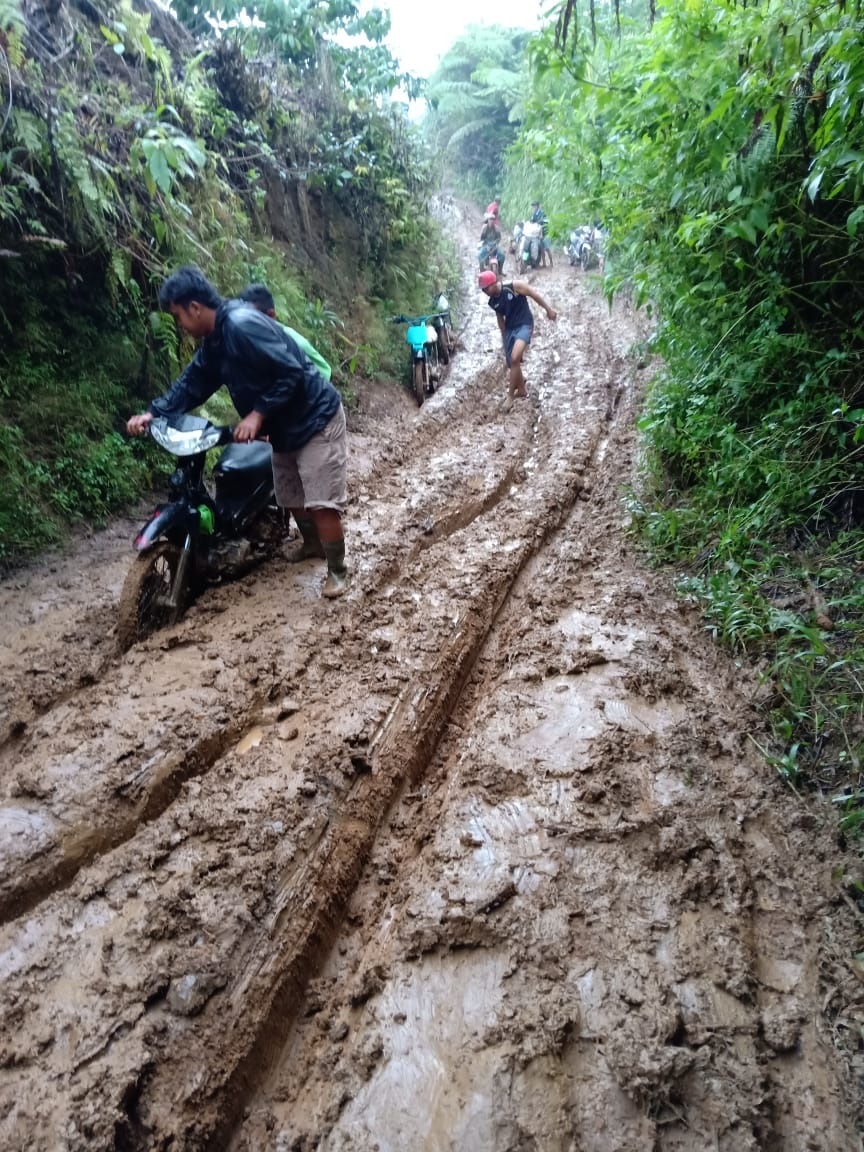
<point>260,297</point>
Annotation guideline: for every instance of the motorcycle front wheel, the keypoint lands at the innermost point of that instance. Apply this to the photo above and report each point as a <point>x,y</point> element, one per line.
<point>144,606</point>
<point>421,378</point>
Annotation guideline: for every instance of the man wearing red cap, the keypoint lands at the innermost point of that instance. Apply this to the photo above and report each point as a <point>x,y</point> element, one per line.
<point>509,302</point>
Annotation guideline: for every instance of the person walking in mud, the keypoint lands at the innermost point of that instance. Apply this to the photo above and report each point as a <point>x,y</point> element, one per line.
<point>509,302</point>
<point>280,394</point>
<point>260,297</point>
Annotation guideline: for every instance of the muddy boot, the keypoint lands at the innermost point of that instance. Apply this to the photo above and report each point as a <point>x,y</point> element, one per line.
<point>337,573</point>
<point>308,547</point>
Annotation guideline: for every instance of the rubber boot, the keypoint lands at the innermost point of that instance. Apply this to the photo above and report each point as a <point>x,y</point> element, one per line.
<point>307,548</point>
<point>337,573</point>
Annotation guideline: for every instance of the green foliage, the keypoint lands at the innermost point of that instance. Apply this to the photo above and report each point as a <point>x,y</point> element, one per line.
<point>123,157</point>
<point>92,478</point>
<point>475,99</point>
<point>25,525</point>
<point>723,147</point>
<point>166,154</point>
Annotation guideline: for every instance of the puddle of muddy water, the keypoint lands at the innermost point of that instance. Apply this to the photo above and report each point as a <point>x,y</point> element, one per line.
<point>251,740</point>
<point>24,832</point>
<point>427,1017</point>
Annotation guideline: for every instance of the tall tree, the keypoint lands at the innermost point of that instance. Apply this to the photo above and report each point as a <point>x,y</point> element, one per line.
<point>475,102</point>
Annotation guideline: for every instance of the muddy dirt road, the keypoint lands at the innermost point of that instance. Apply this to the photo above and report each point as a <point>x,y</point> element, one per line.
<point>479,857</point>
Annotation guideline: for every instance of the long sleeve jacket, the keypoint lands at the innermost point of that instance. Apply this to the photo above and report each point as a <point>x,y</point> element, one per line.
<point>264,370</point>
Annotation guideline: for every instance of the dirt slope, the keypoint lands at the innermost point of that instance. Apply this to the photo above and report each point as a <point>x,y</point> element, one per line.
<point>479,856</point>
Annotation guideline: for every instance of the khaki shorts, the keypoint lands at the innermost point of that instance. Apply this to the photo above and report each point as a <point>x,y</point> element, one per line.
<point>316,475</point>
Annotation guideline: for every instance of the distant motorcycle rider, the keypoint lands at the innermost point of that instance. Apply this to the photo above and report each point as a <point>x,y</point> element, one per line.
<point>492,210</point>
<point>538,216</point>
<point>490,242</point>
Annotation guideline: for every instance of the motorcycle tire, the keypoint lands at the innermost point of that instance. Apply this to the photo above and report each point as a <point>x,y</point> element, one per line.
<point>443,346</point>
<point>421,378</point>
<point>148,582</point>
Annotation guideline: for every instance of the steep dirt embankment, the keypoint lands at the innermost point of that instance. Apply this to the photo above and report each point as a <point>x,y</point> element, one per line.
<point>479,855</point>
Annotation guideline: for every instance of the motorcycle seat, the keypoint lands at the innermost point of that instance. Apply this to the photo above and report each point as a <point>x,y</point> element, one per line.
<point>254,457</point>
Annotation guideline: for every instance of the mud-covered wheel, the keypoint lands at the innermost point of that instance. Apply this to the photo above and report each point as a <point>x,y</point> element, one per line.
<point>143,601</point>
<point>421,375</point>
<point>443,346</point>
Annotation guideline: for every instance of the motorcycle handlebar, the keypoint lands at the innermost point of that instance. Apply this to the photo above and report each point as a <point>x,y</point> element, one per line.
<point>416,319</point>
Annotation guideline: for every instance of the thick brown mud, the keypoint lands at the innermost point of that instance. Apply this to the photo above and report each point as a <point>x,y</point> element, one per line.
<point>481,856</point>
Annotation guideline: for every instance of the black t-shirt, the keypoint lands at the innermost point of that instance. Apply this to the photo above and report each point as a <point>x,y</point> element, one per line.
<point>513,306</point>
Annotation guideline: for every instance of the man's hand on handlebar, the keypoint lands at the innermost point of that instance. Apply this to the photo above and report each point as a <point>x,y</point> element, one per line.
<point>249,428</point>
<point>138,425</point>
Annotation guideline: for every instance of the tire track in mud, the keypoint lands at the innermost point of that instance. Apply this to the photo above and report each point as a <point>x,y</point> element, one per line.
<point>55,859</point>
<point>173,977</point>
<point>119,890</point>
<point>55,641</point>
<point>593,927</point>
<point>45,852</point>
<point>310,909</point>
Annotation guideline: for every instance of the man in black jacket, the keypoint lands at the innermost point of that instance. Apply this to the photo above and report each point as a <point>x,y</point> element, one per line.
<point>279,393</point>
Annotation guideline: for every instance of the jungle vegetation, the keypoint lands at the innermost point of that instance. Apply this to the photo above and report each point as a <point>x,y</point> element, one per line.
<point>134,138</point>
<point>474,101</point>
<point>722,145</point>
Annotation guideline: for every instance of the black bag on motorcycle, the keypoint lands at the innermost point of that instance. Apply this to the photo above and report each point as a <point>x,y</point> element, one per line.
<point>243,477</point>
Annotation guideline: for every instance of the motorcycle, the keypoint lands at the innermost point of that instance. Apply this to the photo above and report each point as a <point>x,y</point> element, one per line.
<point>516,238</point>
<point>575,240</point>
<point>487,258</point>
<point>592,248</point>
<point>443,323</point>
<point>422,338</point>
<point>198,538</point>
<point>531,247</point>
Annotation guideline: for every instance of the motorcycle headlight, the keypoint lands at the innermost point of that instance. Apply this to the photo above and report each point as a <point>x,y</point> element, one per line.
<point>186,435</point>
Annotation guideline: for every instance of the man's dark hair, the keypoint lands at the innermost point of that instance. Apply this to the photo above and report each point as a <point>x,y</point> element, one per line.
<point>260,296</point>
<point>185,285</point>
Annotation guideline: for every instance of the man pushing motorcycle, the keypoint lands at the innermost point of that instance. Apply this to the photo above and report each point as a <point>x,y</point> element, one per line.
<point>280,394</point>
<point>509,302</point>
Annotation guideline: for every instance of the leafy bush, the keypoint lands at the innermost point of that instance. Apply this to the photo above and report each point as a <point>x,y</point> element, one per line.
<point>723,147</point>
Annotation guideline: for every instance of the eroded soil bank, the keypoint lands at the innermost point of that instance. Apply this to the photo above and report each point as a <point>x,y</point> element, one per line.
<point>478,857</point>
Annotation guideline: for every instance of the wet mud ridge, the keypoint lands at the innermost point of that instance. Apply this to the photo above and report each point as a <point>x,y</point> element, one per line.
<point>477,857</point>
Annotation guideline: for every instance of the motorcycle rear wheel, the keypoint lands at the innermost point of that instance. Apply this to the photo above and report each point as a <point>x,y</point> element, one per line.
<point>143,608</point>
<point>421,378</point>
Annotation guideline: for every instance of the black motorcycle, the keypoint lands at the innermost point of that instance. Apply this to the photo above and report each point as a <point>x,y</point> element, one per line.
<point>197,539</point>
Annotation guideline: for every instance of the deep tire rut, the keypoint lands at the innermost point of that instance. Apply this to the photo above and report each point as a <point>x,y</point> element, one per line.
<point>243,838</point>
